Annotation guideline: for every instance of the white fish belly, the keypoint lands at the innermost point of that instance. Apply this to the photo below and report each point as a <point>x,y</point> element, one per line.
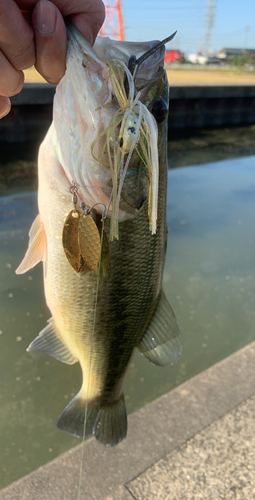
<point>69,296</point>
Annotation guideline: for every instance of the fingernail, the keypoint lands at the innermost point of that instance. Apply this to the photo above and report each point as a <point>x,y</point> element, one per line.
<point>45,17</point>
<point>5,104</point>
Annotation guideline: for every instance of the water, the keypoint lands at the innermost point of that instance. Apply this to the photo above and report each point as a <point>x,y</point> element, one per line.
<point>208,279</point>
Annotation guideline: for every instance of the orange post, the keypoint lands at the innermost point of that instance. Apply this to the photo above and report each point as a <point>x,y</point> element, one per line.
<point>113,25</point>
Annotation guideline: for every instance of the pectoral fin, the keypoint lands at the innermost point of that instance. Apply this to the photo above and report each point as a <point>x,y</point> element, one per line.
<point>161,343</point>
<point>49,342</point>
<point>36,247</point>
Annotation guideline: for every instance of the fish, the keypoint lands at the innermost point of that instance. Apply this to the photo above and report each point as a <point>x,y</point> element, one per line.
<point>101,229</point>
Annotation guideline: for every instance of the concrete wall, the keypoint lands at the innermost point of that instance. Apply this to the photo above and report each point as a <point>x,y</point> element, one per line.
<point>31,114</point>
<point>211,106</point>
<point>190,107</point>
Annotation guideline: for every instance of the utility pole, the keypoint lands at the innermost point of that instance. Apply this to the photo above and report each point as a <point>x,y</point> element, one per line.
<point>113,25</point>
<point>209,24</point>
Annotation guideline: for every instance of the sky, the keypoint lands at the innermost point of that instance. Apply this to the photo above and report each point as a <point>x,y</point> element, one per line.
<point>234,22</point>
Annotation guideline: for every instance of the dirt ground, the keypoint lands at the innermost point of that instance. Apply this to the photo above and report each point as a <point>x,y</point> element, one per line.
<point>209,76</point>
<point>32,76</point>
<point>184,76</point>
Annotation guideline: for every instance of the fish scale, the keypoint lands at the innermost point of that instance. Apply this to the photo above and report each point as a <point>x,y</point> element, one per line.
<point>89,241</point>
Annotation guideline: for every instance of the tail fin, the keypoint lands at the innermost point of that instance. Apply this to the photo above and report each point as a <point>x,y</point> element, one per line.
<point>111,424</point>
<point>72,418</point>
<point>108,423</point>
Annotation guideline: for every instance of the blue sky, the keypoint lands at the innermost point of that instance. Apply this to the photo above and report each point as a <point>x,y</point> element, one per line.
<point>156,19</point>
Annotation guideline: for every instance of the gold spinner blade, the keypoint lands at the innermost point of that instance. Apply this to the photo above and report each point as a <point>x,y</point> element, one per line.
<point>70,240</point>
<point>89,241</point>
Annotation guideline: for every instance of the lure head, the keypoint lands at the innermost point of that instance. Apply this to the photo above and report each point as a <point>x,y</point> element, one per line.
<point>105,137</point>
<point>131,134</point>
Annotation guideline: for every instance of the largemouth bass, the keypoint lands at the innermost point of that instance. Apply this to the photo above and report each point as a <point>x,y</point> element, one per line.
<point>103,160</point>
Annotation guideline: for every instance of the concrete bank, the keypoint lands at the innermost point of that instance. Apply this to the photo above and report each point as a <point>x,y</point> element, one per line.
<point>169,446</point>
<point>190,107</point>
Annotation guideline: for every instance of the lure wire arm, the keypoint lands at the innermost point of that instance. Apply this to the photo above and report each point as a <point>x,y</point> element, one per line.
<point>74,191</point>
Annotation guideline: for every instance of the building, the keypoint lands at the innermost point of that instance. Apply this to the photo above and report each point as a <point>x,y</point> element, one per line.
<point>173,56</point>
<point>229,53</point>
<point>197,59</point>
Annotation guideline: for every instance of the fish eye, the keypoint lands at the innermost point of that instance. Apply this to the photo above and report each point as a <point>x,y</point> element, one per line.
<point>160,109</point>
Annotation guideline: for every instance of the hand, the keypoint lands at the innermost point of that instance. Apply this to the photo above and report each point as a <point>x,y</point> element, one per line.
<point>33,32</point>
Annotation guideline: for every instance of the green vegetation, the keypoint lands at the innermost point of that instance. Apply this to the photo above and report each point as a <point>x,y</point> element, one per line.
<point>241,60</point>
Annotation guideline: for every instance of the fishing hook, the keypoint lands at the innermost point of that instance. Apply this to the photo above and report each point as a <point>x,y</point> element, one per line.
<point>88,210</point>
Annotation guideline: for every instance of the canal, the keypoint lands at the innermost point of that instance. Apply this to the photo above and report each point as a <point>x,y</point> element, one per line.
<point>209,280</point>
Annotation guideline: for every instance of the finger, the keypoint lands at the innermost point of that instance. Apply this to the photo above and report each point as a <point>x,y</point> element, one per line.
<point>12,80</point>
<point>50,41</point>
<point>16,36</point>
<point>90,22</point>
<point>5,106</point>
<point>87,15</point>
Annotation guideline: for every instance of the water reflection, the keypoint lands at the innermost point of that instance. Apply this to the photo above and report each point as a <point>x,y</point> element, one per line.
<point>208,279</point>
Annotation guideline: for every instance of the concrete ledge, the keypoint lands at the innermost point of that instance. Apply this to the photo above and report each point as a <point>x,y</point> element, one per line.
<point>154,431</point>
<point>190,107</point>
<point>43,93</point>
<point>212,92</point>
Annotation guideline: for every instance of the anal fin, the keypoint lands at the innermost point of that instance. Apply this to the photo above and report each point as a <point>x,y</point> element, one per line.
<point>49,342</point>
<point>36,247</point>
<point>72,418</point>
<point>161,344</point>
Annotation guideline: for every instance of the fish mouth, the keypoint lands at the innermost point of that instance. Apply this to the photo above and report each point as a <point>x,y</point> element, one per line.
<point>134,64</point>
